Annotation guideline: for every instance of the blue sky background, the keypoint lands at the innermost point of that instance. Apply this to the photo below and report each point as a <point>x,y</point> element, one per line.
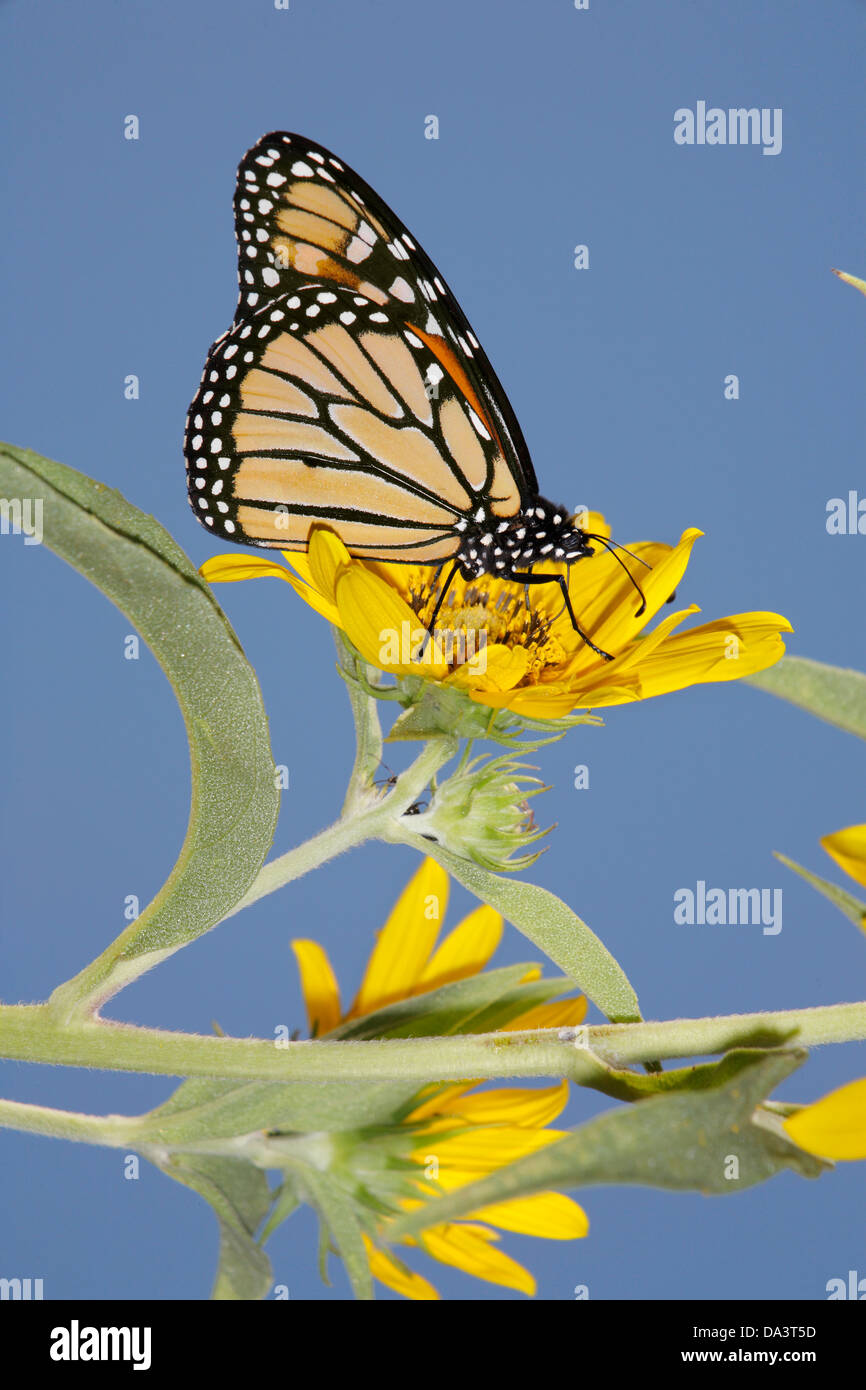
<point>556,128</point>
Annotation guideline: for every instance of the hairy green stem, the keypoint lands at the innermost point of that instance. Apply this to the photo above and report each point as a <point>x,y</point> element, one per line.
<point>375,822</point>
<point>368,730</point>
<point>33,1033</point>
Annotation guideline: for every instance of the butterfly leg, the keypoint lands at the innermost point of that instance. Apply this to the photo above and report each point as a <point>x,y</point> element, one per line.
<point>455,568</point>
<point>529,578</point>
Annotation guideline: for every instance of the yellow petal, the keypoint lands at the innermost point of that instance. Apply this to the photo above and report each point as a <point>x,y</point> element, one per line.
<point>223,569</point>
<point>471,1249</point>
<point>315,601</point>
<point>485,1150</point>
<point>848,848</point>
<point>328,559</point>
<point>613,620</point>
<point>553,701</point>
<point>503,668</point>
<point>397,1277</point>
<point>638,652</point>
<point>466,950</point>
<point>602,578</point>
<point>512,1105</point>
<point>851,280</point>
<point>726,649</point>
<point>383,627</point>
<point>549,1215</point>
<point>319,985</point>
<point>561,1013</point>
<point>300,563</point>
<point>441,1097</point>
<point>404,944</point>
<point>594,523</point>
<point>624,672</point>
<point>835,1126</point>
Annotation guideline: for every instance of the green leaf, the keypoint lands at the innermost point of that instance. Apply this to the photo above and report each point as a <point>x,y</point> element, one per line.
<point>135,562</point>
<point>520,1000</point>
<point>852,907</point>
<point>337,1215</point>
<point>211,1109</point>
<point>624,1084</point>
<point>240,1196</point>
<point>244,1271</point>
<point>551,926</point>
<point>683,1142</point>
<point>455,1008</point>
<point>832,693</point>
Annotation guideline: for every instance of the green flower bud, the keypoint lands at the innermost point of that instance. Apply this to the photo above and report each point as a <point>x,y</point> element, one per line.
<point>481,813</point>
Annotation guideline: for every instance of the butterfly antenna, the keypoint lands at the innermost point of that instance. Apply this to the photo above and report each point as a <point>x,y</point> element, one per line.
<point>613,547</point>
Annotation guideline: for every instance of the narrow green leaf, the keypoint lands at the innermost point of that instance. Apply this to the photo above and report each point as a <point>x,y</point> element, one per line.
<point>683,1142</point>
<point>624,1084</point>
<point>240,1196</point>
<point>852,907</point>
<point>551,926</point>
<point>453,1008</point>
<point>337,1215</point>
<point>520,1000</point>
<point>832,693</point>
<point>135,562</point>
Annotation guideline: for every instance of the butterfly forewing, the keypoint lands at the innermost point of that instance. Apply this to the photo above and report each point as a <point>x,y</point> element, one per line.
<point>303,215</point>
<point>323,407</point>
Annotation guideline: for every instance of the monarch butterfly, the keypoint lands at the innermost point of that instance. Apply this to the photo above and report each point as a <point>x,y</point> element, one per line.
<point>351,391</point>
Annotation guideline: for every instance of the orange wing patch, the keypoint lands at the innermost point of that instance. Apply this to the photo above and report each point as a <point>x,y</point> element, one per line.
<point>504,494</point>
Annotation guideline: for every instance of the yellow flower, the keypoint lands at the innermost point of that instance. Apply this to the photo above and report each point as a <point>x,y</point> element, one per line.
<point>835,1125</point>
<point>848,848</point>
<point>529,660</point>
<point>453,1134</point>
